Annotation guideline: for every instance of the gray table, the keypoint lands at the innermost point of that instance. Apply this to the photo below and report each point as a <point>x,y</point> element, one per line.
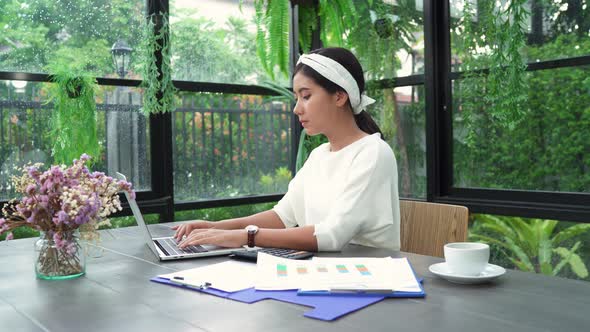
<point>115,295</point>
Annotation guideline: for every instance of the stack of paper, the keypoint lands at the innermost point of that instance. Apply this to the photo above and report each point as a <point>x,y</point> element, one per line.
<point>382,275</point>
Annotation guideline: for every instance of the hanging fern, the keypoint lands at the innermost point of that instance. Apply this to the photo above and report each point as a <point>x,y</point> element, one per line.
<point>278,33</point>
<point>507,81</point>
<point>272,35</point>
<point>336,16</point>
<point>272,28</point>
<point>495,43</point>
<point>73,122</point>
<point>260,19</point>
<point>307,25</point>
<point>154,85</point>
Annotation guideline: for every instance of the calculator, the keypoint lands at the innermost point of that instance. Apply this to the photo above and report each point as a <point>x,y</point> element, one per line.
<point>252,255</point>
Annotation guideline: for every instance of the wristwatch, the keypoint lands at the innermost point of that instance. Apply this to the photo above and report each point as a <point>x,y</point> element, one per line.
<point>252,230</point>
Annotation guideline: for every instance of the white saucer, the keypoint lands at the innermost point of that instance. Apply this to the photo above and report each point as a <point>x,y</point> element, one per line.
<point>489,273</point>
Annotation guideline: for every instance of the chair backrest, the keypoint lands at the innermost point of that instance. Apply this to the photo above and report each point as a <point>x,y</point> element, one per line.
<point>426,227</point>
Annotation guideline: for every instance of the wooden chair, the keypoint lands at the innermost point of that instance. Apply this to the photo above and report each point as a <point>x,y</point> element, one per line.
<point>426,227</point>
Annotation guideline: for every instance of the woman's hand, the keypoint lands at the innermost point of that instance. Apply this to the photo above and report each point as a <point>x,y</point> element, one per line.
<point>230,238</point>
<point>186,228</point>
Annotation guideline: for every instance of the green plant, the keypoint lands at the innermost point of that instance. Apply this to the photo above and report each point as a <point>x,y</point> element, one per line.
<point>276,183</point>
<point>74,118</point>
<point>272,23</point>
<point>491,45</point>
<point>532,245</point>
<point>158,94</point>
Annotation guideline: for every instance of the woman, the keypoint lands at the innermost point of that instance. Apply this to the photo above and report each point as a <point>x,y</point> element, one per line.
<point>347,189</point>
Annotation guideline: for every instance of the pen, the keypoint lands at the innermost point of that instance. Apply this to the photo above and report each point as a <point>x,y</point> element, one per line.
<point>180,280</point>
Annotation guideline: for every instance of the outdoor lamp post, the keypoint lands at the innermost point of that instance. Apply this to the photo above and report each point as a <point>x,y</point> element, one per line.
<point>19,86</point>
<point>121,53</point>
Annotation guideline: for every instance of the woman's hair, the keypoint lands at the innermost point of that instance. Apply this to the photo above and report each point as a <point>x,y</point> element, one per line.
<point>350,62</point>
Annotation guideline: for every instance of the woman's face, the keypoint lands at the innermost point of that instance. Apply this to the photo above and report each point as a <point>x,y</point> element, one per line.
<point>316,107</point>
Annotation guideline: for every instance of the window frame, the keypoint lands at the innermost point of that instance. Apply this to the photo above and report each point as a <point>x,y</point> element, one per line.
<point>524,203</point>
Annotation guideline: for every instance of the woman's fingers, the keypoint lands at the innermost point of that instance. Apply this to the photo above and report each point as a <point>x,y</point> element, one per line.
<point>181,231</point>
<point>223,238</point>
<point>193,237</point>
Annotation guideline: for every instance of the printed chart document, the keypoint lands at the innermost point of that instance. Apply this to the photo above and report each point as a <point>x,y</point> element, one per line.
<point>229,276</point>
<point>356,274</point>
<point>276,273</point>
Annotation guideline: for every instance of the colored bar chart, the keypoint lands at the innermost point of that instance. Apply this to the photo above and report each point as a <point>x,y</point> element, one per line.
<point>363,269</point>
<point>341,268</point>
<point>281,270</point>
<point>301,270</point>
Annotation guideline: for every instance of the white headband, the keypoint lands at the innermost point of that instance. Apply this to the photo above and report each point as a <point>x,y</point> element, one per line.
<point>336,73</point>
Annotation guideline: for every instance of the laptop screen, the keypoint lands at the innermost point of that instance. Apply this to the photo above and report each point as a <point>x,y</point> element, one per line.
<point>139,218</point>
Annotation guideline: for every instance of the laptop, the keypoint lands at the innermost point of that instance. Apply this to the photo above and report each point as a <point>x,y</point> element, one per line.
<point>165,248</point>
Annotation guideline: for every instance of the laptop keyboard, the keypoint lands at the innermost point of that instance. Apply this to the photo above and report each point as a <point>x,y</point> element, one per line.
<point>170,247</point>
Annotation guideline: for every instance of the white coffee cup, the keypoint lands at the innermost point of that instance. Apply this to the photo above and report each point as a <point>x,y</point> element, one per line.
<point>466,258</point>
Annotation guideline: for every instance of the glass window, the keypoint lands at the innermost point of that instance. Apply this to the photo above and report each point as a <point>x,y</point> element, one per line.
<point>25,124</point>
<point>220,213</point>
<point>521,243</point>
<point>547,150</point>
<point>554,30</point>
<point>401,116</point>
<point>214,41</point>
<point>230,146</point>
<point>37,32</point>
<point>124,133</point>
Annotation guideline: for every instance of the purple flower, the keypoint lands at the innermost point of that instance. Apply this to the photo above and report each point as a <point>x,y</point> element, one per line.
<point>61,218</point>
<point>2,221</point>
<point>59,242</point>
<point>30,189</point>
<point>34,173</point>
<point>9,236</point>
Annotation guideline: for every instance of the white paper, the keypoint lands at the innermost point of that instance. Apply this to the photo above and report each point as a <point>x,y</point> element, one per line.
<point>229,276</point>
<point>335,274</point>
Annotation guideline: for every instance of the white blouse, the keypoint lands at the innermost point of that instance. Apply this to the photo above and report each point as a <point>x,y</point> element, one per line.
<point>350,195</point>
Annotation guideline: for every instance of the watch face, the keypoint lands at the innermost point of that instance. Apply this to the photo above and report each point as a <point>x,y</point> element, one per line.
<point>252,229</point>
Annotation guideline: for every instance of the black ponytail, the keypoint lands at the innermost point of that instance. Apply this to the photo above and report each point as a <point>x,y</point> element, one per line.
<point>344,57</point>
<point>366,123</point>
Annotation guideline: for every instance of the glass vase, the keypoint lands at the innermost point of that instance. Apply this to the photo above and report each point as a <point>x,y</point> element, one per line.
<point>59,257</point>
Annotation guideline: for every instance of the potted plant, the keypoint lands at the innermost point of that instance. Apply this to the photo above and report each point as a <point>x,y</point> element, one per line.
<point>74,117</point>
<point>58,202</point>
